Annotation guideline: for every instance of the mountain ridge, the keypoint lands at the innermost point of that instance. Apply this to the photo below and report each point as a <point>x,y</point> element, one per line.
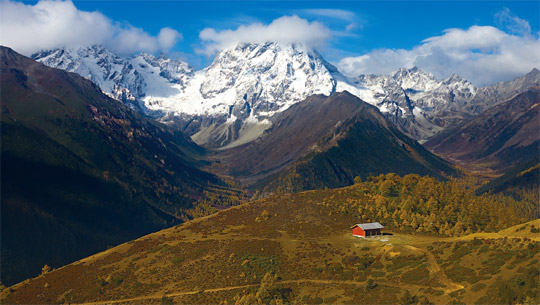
<point>342,138</point>
<point>230,102</point>
<point>497,139</point>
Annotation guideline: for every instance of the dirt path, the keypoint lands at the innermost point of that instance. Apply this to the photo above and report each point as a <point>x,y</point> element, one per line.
<point>311,281</point>
<point>436,270</point>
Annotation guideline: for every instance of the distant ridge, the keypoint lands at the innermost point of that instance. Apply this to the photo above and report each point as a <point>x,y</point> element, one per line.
<point>498,139</point>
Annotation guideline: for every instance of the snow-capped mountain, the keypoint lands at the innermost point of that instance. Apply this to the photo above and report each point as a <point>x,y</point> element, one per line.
<point>229,102</point>
<point>131,80</point>
<point>414,99</point>
<point>232,101</point>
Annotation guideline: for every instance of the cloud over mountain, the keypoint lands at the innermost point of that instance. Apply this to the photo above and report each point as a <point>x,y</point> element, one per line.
<point>286,29</point>
<point>51,24</point>
<point>481,54</point>
<point>331,13</point>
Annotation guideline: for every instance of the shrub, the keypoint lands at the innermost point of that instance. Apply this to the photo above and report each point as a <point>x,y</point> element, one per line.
<point>177,261</point>
<point>347,275</point>
<point>45,269</point>
<point>478,286</point>
<point>350,260</point>
<point>416,275</point>
<point>329,300</point>
<point>165,300</point>
<point>364,262</point>
<point>360,277</point>
<point>459,273</point>
<point>408,299</point>
<point>117,281</point>
<point>378,274</point>
<point>370,284</point>
<point>505,293</point>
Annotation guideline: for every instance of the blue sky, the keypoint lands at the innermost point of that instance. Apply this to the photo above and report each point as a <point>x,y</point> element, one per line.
<point>379,24</point>
<point>363,36</point>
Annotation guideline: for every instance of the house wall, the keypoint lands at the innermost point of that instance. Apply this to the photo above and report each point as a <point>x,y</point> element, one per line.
<point>373,232</point>
<point>357,231</point>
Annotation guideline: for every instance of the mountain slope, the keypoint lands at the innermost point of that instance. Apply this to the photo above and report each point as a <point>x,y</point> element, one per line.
<point>341,138</point>
<point>521,182</point>
<point>497,139</point>
<point>495,94</point>
<point>298,248</point>
<point>81,171</point>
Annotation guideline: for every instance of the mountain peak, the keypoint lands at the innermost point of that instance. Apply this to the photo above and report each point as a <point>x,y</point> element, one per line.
<point>260,50</point>
<point>534,73</point>
<point>415,78</point>
<point>454,77</point>
<point>268,77</point>
<point>272,45</point>
<point>415,71</point>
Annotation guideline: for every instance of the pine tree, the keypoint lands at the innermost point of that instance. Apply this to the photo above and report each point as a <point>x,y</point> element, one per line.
<point>46,269</point>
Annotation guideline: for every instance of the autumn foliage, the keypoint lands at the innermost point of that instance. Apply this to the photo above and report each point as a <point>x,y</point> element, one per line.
<point>426,205</point>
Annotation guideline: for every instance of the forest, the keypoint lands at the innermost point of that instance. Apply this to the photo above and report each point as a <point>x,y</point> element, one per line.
<point>426,205</point>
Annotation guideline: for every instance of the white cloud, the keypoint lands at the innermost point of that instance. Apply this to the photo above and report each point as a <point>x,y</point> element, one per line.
<point>351,26</point>
<point>167,38</point>
<point>286,29</point>
<point>52,24</point>
<point>512,24</point>
<point>481,54</point>
<point>332,13</point>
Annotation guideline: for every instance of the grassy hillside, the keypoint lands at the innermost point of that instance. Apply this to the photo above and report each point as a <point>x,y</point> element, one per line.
<point>81,171</point>
<point>298,248</point>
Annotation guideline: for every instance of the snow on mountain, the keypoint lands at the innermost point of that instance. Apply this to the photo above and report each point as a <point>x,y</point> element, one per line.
<point>251,82</point>
<point>130,80</point>
<point>414,99</point>
<point>232,101</point>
